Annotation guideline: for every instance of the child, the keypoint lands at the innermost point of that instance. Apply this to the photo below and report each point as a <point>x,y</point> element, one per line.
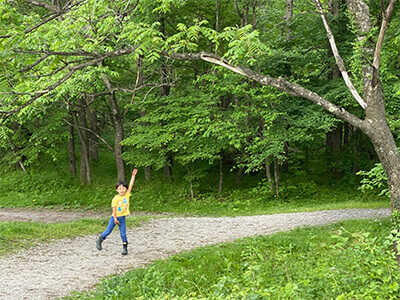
<point>120,209</point>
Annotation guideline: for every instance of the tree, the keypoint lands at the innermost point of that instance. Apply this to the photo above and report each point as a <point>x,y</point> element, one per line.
<point>374,124</point>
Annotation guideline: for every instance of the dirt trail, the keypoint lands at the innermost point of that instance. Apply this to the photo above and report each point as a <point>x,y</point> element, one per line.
<point>56,269</point>
<point>52,216</point>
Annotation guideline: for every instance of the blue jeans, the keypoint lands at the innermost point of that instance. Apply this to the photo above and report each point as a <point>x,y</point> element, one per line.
<point>122,228</point>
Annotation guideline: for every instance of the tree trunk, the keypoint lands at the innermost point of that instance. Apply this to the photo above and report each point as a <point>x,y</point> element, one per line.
<point>71,147</point>
<point>276,175</point>
<point>239,175</point>
<point>118,131</point>
<point>288,19</point>
<point>119,136</point>
<point>93,142</point>
<point>385,147</point>
<point>167,171</point>
<point>164,91</point>
<point>139,83</point>
<point>221,175</point>
<point>268,174</point>
<point>285,163</point>
<point>80,122</point>
<point>334,148</point>
<point>189,174</point>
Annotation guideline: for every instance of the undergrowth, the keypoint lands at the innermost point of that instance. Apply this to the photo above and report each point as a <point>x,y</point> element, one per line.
<point>55,189</point>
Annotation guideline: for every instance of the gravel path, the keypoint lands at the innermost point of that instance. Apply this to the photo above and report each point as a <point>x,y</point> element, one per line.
<point>52,216</point>
<point>56,269</point>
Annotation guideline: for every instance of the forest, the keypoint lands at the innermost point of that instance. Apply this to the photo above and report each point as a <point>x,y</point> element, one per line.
<point>226,107</point>
<point>137,79</point>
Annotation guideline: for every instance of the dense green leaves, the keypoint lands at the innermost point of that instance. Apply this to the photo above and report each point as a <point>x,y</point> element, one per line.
<point>183,112</point>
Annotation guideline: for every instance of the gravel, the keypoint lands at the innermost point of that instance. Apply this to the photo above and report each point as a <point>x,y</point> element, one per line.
<point>54,270</point>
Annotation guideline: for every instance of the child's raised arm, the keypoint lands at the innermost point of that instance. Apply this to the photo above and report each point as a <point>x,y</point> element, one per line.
<point>134,172</point>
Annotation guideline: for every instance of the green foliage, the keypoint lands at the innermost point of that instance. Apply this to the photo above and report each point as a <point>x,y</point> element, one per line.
<point>374,179</point>
<point>347,260</point>
<point>56,189</point>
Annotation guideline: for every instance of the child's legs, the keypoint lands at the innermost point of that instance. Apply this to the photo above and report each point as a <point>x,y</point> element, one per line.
<point>109,229</point>
<point>122,228</point>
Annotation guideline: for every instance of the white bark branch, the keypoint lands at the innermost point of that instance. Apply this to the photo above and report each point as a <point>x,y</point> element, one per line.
<point>379,43</point>
<point>338,58</point>
<point>279,83</point>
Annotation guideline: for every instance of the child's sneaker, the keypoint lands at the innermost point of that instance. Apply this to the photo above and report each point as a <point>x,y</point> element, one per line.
<point>98,243</point>
<point>124,248</point>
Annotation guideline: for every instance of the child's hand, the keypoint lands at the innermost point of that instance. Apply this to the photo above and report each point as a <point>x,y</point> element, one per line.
<point>116,221</point>
<point>134,172</point>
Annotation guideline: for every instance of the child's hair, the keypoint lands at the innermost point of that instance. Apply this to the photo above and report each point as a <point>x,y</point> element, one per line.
<point>121,183</point>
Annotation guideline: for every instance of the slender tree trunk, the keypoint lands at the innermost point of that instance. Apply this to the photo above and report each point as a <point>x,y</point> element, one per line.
<point>221,175</point>
<point>288,19</point>
<point>119,136</point>
<point>80,122</point>
<point>346,134</point>
<point>189,174</point>
<point>71,147</point>
<point>268,175</point>
<point>93,142</point>
<point>276,175</point>
<point>239,175</point>
<point>165,89</point>
<point>217,15</point>
<point>285,163</point>
<point>355,144</point>
<point>334,147</point>
<point>118,131</point>
<point>139,82</point>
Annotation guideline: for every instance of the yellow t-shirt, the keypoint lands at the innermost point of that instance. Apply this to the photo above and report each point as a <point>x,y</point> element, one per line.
<point>122,204</point>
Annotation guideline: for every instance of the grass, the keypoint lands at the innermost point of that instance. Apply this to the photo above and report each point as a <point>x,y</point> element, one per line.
<point>53,189</point>
<point>22,235</point>
<point>348,260</point>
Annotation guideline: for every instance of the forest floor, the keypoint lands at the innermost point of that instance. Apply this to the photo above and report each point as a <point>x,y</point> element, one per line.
<point>56,269</point>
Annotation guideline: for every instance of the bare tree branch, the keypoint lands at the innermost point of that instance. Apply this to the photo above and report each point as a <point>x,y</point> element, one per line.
<point>94,133</point>
<point>377,54</point>
<point>338,58</point>
<point>279,83</point>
